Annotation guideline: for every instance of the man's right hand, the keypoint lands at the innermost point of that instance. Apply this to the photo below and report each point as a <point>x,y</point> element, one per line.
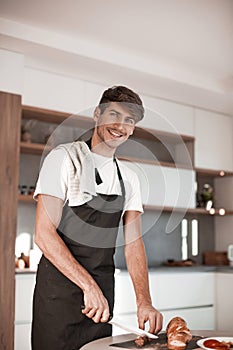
<point>96,305</point>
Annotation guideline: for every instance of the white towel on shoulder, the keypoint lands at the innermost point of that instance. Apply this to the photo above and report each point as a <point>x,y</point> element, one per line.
<point>81,172</point>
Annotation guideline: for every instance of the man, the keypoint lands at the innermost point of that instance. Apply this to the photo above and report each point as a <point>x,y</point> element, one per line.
<point>83,192</point>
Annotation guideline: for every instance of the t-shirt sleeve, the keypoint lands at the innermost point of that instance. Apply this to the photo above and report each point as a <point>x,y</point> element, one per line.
<point>52,178</point>
<point>133,200</point>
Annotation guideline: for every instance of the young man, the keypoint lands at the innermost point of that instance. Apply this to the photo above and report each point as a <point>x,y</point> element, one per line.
<point>83,192</point>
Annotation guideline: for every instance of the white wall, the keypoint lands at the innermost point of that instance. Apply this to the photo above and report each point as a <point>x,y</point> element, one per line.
<point>11,72</point>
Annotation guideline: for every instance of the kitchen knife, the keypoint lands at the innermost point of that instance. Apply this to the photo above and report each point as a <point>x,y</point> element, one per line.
<point>131,329</point>
<point>114,321</point>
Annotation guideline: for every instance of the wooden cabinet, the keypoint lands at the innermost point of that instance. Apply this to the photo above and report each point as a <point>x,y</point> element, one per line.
<point>214,141</point>
<point>169,155</point>
<point>158,156</point>
<point>9,154</point>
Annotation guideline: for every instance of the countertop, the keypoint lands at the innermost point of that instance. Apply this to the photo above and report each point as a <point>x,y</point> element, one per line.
<point>104,344</point>
<point>163,269</point>
<point>196,268</point>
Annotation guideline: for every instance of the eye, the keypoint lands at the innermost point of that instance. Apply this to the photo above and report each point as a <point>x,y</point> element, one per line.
<point>130,121</point>
<point>114,114</point>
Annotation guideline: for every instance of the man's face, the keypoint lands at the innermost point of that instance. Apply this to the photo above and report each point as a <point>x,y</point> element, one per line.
<point>115,125</point>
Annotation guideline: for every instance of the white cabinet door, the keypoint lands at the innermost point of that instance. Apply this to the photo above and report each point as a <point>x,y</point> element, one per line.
<point>124,294</point>
<point>53,91</point>
<point>165,186</point>
<point>197,318</point>
<point>168,116</point>
<point>22,337</point>
<point>224,301</point>
<point>125,319</point>
<point>24,287</point>
<point>175,290</point>
<point>214,141</point>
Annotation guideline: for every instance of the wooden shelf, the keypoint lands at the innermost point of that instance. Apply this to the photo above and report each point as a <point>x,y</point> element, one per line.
<point>212,173</point>
<point>56,117</point>
<point>38,149</point>
<point>33,148</point>
<point>153,162</point>
<point>163,136</point>
<point>26,198</point>
<point>198,211</point>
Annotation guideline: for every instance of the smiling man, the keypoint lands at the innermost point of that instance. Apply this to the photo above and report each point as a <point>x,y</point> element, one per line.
<point>83,192</point>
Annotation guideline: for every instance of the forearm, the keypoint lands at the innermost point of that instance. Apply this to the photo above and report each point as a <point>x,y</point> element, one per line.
<point>137,266</point>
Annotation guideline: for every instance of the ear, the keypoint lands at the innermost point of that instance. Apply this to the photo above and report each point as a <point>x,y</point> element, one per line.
<point>96,114</point>
<point>131,133</point>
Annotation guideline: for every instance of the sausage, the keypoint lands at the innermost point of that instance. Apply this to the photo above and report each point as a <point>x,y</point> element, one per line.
<point>140,341</point>
<point>178,334</point>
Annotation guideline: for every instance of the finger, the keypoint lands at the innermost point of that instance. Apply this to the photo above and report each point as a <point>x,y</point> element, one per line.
<point>97,316</point>
<point>141,323</point>
<point>159,323</point>
<point>86,309</point>
<point>152,323</point>
<point>91,313</point>
<point>105,316</point>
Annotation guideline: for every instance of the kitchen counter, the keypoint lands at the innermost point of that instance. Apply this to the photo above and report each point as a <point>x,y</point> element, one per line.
<point>162,269</point>
<point>24,271</point>
<point>189,269</point>
<point>105,343</point>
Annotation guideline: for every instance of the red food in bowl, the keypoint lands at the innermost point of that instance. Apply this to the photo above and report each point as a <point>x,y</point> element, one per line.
<point>216,344</point>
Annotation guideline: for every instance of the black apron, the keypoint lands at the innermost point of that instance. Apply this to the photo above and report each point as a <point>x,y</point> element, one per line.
<point>90,232</point>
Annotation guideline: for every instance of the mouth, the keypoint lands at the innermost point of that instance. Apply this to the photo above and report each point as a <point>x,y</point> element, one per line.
<point>116,134</point>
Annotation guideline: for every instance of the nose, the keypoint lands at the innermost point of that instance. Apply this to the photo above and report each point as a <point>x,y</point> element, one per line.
<point>120,121</point>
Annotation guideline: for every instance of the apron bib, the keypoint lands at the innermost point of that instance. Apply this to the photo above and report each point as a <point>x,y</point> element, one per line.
<point>90,233</point>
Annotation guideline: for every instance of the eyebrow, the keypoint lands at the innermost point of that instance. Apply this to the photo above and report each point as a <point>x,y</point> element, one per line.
<point>113,110</point>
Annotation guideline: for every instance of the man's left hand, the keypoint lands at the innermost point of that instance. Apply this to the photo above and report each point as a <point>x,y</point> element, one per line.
<point>146,313</point>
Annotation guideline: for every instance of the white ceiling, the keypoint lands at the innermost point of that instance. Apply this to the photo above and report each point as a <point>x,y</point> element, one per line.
<point>181,49</point>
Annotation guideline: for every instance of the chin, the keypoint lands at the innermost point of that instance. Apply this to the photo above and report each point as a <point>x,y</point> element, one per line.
<point>115,143</point>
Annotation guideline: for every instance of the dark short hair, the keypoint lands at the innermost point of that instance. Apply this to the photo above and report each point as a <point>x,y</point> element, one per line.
<point>127,97</point>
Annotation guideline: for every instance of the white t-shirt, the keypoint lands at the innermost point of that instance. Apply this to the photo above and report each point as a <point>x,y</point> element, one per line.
<point>53,179</point>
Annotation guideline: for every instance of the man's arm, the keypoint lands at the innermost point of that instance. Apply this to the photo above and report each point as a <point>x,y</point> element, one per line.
<point>137,266</point>
<point>48,216</point>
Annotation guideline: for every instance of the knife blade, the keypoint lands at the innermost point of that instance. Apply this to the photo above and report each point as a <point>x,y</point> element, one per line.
<point>131,329</point>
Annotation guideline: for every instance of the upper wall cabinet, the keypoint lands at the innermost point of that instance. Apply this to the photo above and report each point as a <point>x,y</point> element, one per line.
<point>168,116</point>
<point>213,141</point>
<point>165,186</point>
<point>53,91</point>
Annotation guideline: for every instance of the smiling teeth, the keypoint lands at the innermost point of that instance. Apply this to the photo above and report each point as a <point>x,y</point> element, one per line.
<point>115,133</point>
